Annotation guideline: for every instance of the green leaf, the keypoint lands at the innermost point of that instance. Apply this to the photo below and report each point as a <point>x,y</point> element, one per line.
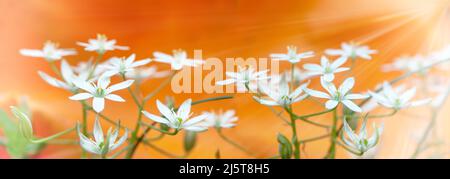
<point>190,138</point>
<point>25,126</point>
<point>16,145</point>
<point>284,147</point>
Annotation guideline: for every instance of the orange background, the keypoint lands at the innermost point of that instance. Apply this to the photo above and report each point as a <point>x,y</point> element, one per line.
<point>221,28</point>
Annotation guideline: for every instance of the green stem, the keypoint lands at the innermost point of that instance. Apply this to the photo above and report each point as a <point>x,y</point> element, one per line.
<point>175,132</point>
<point>332,151</point>
<point>41,140</point>
<point>160,87</point>
<point>138,141</point>
<point>371,116</point>
<point>314,139</point>
<point>295,140</point>
<point>429,127</point>
<point>226,139</point>
<point>115,155</point>
<point>97,60</point>
<point>313,114</point>
<point>305,119</point>
<point>55,69</point>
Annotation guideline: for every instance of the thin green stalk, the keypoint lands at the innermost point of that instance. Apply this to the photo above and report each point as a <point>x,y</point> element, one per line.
<point>41,140</point>
<point>55,69</point>
<point>160,87</point>
<point>314,139</point>
<point>305,119</point>
<point>226,139</point>
<point>313,114</point>
<point>115,155</point>
<point>430,126</point>
<point>332,151</point>
<point>175,132</point>
<point>94,66</point>
<point>138,141</point>
<point>294,139</point>
<point>371,116</point>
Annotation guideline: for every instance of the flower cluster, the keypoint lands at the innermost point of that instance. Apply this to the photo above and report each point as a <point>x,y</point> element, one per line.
<point>101,79</point>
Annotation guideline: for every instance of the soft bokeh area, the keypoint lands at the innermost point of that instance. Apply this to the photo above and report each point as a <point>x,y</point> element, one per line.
<point>222,28</point>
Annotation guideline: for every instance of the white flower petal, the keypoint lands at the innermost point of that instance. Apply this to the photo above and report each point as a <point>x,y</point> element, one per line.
<point>98,104</point>
<point>155,117</point>
<point>81,96</point>
<point>184,109</point>
<point>331,104</point>
<point>98,132</point>
<point>114,97</point>
<point>119,86</point>
<point>352,106</point>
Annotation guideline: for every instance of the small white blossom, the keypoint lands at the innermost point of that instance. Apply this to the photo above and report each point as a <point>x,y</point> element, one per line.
<point>122,66</point>
<point>101,44</point>
<point>220,120</point>
<point>180,119</point>
<point>337,96</point>
<point>68,76</point>
<point>361,142</point>
<point>85,68</point>
<point>178,60</point>
<point>280,95</point>
<point>299,75</point>
<point>50,52</point>
<point>292,55</point>
<point>353,51</point>
<point>101,145</point>
<point>144,73</point>
<point>326,69</point>
<point>100,91</point>
<point>397,99</point>
<point>409,64</point>
<point>244,76</point>
<point>372,103</point>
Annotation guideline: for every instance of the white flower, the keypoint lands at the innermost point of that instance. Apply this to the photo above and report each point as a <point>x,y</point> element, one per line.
<point>178,60</point>
<point>244,76</point>
<point>409,64</point>
<point>144,73</point>
<point>280,95</point>
<point>102,145</point>
<point>299,75</point>
<point>397,99</point>
<point>353,51</point>
<point>337,96</point>
<point>101,44</point>
<point>122,66</point>
<point>68,76</point>
<point>326,69</point>
<point>85,67</point>
<point>292,55</point>
<point>220,120</point>
<point>100,91</point>
<point>372,103</point>
<point>50,52</point>
<point>180,119</point>
<point>361,142</point>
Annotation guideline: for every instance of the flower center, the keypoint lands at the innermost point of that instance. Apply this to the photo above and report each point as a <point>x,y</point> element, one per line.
<point>100,92</point>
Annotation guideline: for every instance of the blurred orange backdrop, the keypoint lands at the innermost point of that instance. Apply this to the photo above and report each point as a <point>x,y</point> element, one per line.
<point>221,28</point>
